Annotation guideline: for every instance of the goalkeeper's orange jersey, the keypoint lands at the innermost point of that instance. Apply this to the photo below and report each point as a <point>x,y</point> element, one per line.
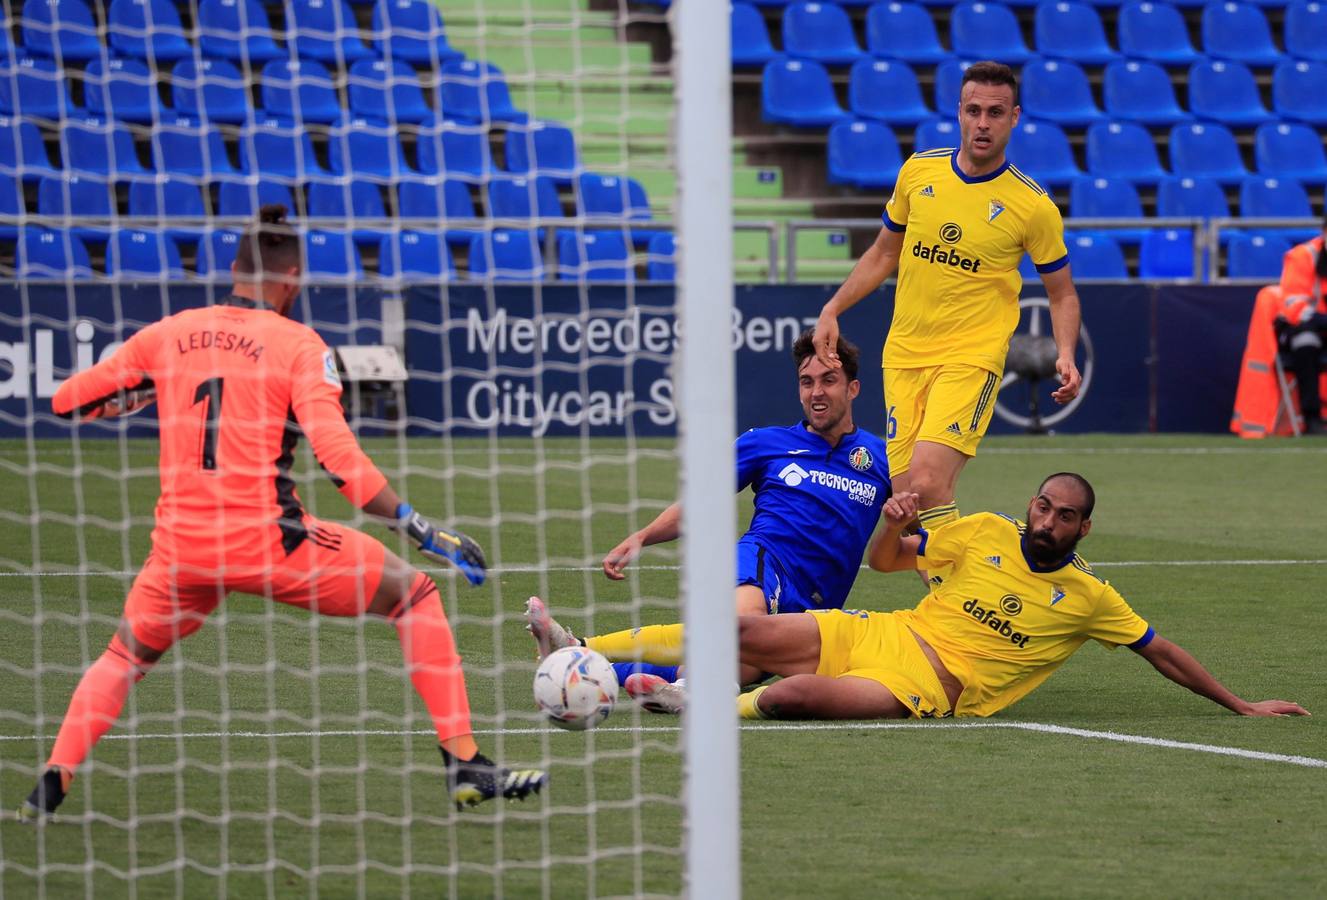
<point>236,385</point>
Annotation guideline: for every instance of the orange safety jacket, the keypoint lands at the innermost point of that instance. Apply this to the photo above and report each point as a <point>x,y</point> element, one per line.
<point>1258,411</point>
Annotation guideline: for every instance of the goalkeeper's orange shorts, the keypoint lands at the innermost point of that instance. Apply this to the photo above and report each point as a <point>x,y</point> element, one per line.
<point>334,571</point>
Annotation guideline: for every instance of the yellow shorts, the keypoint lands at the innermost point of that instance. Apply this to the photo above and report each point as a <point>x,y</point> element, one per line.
<point>878,646</point>
<point>950,405</point>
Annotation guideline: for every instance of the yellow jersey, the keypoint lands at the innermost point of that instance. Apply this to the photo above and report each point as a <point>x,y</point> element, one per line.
<point>1001,623</point>
<point>958,281</point>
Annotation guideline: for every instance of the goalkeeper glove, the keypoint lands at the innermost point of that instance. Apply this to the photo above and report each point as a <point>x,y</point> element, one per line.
<point>123,403</point>
<point>451,546</point>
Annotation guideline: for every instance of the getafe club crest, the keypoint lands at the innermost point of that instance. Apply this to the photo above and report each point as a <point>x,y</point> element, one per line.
<point>996,208</point>
<point>860,459</point>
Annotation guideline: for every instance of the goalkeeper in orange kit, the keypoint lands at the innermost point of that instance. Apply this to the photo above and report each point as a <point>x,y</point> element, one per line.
<point>236,384</point>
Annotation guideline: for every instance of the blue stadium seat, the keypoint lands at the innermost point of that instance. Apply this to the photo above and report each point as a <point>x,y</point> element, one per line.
<point>134,253</point>
<point>1096,256</point>
<point>122,89</point>
<point>44,253</point>
<point>438,202</point>
<point>615,196</point>
<point>542,148</point>
<point>519,197</point>
<point>216,251</point>
<point>301,90</point>
<point>1071,30</point>
<point>1166,253</point>
<point>1057,91</point>
<point>147,29</point>
<point>1306,30</point>
<point>903,31</point>
<point>477,91</point>
<point>211,89</point>
<point>1238,32</point>
<point>949,86</point>
<point>324,30</point>
<point>1191,198</point>
<point>1095,197</point>
<point>799,92</point>
<point>864,154</point>
<point>1206,150</point>
<point>1155,32</point>
<point>279,149</point>
<point>886,90</point>
<point>11,204</point>
<point>99,147</point>
<point>1042,151</point>
<point>33,87</point>
<point>933,133</point>
<point>22,150</point>
<point>346,203</point>
<point>750,38</point>
<point>367,149</point>
<point>416,255</point>
<point>455,149</point>
<point>386,89</point>
<point>237,30</point>
<point>1141,92</point>
<point>332,256</point>
<point>242,199</point>
<point>185,146</point>
<point>987,31</point>
<point>63,29</point>
<point>506,255</point>
<point>1256,256</point>
<point>1298,91</point>
<point>1266,198</point>
<point>166,198</point>
<point>594,256</point>
<point>1123,150</point>
<point>412,31</point>
<point>819,31</point>
<point>662,263</point>
<point>1290,150</point>
<point>76,195</point>
<point>1225,92</point>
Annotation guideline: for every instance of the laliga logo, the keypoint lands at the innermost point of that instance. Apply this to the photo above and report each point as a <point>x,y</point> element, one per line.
<point>21,362</point>
<point>1031,360</point>
<point>794,474</point>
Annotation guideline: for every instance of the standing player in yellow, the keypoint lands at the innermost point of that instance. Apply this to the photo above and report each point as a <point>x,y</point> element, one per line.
<point>1018,603</point>
<point>955,229</point>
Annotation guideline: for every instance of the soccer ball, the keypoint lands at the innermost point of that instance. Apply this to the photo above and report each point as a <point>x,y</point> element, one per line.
<point>575,687</point>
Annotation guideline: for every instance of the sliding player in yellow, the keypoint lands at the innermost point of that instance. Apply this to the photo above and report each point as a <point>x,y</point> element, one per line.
<point>955,228</point>
<point>1018,603</point>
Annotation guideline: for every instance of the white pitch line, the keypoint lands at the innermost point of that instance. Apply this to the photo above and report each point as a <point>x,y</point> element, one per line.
<point>1311,762</point>
<point>519,569</point>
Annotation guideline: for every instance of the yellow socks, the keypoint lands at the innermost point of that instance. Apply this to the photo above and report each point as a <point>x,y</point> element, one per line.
<point>747,707</point>
<point>938,515</point>
<point>658,644</point>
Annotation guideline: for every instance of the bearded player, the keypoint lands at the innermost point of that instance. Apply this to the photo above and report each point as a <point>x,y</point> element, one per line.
<point>236,384</point>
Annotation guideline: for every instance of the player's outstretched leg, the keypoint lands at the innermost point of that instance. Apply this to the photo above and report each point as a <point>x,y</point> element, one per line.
<point>547,633</point>
<point>93,709</point>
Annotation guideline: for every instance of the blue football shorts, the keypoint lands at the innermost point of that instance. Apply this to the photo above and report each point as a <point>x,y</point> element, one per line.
<point>756,565</point>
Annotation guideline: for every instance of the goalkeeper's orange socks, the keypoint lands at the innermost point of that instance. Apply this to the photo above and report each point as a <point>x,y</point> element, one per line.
<point>658,644</point>
<point>434,665</point>
<point>96,704</point>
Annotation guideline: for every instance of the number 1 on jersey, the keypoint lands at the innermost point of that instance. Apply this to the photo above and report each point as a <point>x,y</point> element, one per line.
<point>209,393</point>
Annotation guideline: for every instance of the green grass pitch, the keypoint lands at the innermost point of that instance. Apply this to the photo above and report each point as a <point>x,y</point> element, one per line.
<point>278,754</point>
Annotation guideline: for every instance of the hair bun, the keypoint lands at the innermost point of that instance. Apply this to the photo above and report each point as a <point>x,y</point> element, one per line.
<point>273,214</point>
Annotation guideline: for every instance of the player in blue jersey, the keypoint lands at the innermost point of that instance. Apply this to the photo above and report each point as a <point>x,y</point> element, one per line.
<point>819,488</point>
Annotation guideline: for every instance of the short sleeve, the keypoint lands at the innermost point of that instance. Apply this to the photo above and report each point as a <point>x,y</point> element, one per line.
<point>1114,622</point>
<point>946,544</point>
<point>1044,240</point>
<point>895,215</point>
<point>748,458</point>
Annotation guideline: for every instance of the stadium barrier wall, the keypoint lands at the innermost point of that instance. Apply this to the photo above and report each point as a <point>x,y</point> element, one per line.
<point>540,361</point>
